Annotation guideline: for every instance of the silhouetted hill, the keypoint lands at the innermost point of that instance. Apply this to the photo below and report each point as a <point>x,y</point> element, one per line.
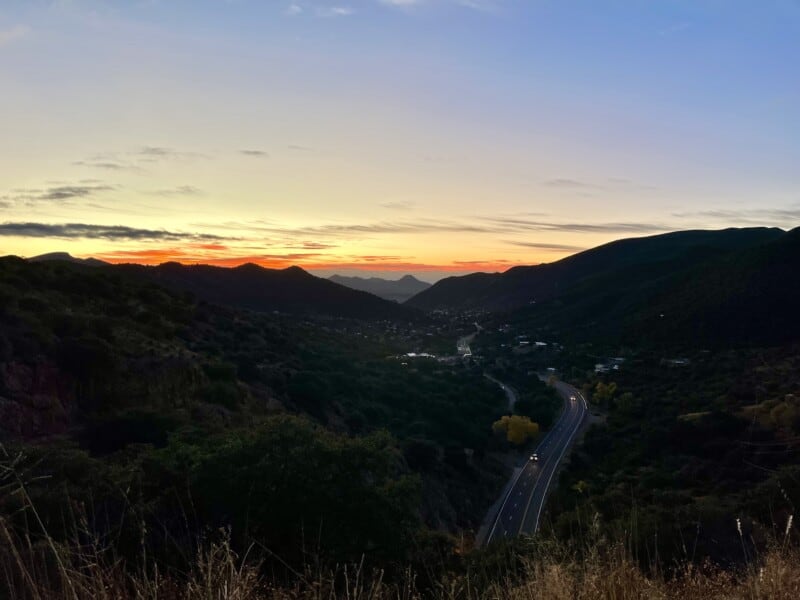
<point>521,286</point>
<point>398,290</point>
<point>250,286</point>
<point>103,370</point>
<point>67,257</point>
<point>746,296</point>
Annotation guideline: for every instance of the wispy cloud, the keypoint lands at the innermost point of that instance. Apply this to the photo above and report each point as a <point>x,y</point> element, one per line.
<point>104,232</point>
<point>109,165</point>
<point>256,153</point>
<point>293,9</point>
<point>313,246</point>
<point>330,12</point>
<point>614,184</point>
<point>402,3</point>
<point>399,205</point>
<point>56,193</point>
<point>136,160</point>
<point>490,225</point>
<point>788,216</point>
<point>675,28</point>
<point>546,246</point>
<point>181,190</point>
<point>481,5</point>
<point>156,153</point>
<point>523,224</point>
<point>566,183</point>
<point>9,36</point>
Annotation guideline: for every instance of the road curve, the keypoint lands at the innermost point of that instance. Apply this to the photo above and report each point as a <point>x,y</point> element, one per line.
<point>522,507</point>
<point>511,395</point>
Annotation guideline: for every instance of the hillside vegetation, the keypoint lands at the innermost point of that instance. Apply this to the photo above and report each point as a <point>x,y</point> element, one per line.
<point>291,290</point>
<point>709,287</point>
<point>156,444</point>
<point>125,396</point>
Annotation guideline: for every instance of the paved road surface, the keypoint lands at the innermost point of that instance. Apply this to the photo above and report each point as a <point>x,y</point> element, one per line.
<point>522,507</point>
<point>510,393</point>
<point>462,345</point>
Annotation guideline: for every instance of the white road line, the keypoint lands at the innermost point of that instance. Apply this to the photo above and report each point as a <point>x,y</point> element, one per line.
<point>546,441</point>
<point>502,506</point>
<point>564,416</point>
<point>574,431</point>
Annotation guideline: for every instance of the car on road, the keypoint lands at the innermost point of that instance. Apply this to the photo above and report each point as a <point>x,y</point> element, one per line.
<point>572,398</point>
<point>534,457</point>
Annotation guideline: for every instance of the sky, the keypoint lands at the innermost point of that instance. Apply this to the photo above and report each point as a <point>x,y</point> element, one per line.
<point>431,137</point>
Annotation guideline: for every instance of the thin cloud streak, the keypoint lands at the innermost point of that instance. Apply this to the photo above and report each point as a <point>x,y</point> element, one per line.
<point>255,153</point>
<point>550,247</point>
<point>57,193</point>
<point>181,190</point>
<point>759,217</point>
<point>16,33</point>
<point>497,225</point>
<point>565,183</point>
<point>104,232</point>
<point>399,205</point>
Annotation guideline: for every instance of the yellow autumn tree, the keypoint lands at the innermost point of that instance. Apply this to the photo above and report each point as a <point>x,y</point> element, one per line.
<point>518,429</point>
<point>604,393</point>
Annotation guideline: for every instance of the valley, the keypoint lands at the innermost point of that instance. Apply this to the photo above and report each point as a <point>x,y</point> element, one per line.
<point>407,435</point>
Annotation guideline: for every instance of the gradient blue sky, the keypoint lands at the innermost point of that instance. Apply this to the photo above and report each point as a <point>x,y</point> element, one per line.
<point>426,136</point>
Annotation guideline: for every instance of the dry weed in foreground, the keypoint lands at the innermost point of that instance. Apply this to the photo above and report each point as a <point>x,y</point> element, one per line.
<point>219,574</point>
<point>35,566</point>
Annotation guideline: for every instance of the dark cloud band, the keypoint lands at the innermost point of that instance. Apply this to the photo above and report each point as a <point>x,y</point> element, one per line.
<point>103,232</point>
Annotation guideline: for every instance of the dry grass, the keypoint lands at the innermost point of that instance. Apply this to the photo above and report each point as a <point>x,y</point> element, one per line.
<point>37,567</point>
<point>27,571</point>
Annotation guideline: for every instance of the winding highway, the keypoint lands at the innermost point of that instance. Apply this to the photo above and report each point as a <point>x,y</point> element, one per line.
<point>521,509</point>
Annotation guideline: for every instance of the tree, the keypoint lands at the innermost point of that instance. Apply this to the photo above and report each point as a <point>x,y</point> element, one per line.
<point>626,402</point>
<point>604,393</point>
<point>518,429</point>
<point>581,486</point>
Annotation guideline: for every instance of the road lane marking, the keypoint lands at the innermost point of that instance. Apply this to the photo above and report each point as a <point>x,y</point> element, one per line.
<point>498,518</point>
<point>567,443</point>
<point>578,423</point>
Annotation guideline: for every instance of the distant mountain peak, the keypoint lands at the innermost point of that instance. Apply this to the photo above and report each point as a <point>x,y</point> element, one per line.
<point>296,269</point>
<point>397,290</point>
<point>53,256</point>
<point>250,286</point>
<point>67,257</point>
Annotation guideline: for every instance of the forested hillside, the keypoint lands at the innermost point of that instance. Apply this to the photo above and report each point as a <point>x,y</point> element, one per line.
<point>127,396</point>
<point>746,298</point>
<point>249,286</point>
<point>637,262</point>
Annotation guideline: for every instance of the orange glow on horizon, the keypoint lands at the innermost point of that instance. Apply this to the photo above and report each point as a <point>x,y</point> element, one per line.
<point>308,261</point>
